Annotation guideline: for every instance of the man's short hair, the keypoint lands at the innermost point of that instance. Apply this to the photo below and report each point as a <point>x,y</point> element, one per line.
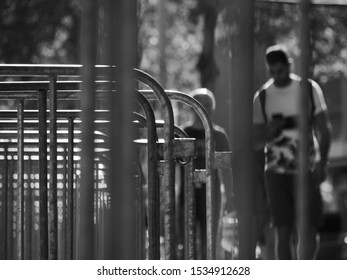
<point>276,54</point>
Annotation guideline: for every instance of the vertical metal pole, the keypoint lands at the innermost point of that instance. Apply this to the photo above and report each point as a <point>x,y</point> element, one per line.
<point>53,163</point>
<point>64,205</point>
<point>123,192</point>
<point>76,211</point>
<point>189,213</point>
<point>2,210</point>
<point>102,225</point>
<point>20,172</point>
<point>36,213</point>
<point>70,202</point>
<point>97,206</point>
<point>6,187</point>
<point>11,214</point>
<point>242,127</point>
<point>302,190</point>
<point>140,217</point>
<point>210,196</point>
<point>43,193</point>
<point>28,212</point>
<point>153,182</point>
<point>89,43</point>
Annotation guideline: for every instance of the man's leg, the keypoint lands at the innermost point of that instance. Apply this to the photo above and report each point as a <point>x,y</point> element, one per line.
<point>280,193</point>
<point>311,247</point>
<point>268,248</point>
<point>283,243</point>
<point>315,215</point>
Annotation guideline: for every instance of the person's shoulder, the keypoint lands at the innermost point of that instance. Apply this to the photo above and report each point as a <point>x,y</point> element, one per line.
<point>218,129</point>
<point>221,138</point>
<point>315,85</point>
<point>194,132</point>
<point>296,78</point>
<point>264,87</point>
<point>269,83</point>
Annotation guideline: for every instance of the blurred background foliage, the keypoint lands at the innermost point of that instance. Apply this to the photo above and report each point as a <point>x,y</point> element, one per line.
<point>184,44</point>
<point>187,44</point>
<point>38,31</point>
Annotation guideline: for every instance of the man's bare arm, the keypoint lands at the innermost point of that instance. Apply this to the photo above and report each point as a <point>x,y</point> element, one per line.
<point>323,129</point>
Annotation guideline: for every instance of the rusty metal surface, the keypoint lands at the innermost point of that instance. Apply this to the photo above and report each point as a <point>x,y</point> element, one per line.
<point>53,200</point>
<point>38,122</point>
<point>169,180</point>
<point>20,180</point>
<point>189,213</point>
<point>209,165</point>
<point>6,203</point>
<point>43,171</point>
<point>70,190</point>
<point>153,181</point>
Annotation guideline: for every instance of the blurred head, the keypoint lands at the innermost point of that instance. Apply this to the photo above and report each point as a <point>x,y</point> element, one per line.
<point>206,98</point>
<point>279,64</point>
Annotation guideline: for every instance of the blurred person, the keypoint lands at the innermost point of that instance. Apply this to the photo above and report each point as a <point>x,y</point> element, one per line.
<point>275,128</point>
<point>223,193</point>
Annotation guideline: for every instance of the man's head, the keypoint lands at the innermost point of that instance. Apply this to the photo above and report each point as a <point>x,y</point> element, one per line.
<point>279,64</point>
<point>206,98</point>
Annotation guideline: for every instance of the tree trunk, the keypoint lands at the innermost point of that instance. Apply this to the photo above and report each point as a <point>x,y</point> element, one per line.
<point>206,64</point>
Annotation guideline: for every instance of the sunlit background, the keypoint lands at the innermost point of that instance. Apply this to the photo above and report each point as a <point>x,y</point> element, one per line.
<point>187,44</point>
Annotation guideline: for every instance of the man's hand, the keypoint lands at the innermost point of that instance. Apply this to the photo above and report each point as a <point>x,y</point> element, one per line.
<point>274,127</point>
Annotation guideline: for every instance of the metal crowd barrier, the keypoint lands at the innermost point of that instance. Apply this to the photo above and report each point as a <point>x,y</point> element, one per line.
<point>214,160</point>
<point>41,157</point>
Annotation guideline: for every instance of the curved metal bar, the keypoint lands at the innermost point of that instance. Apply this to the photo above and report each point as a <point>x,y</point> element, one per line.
<point>209,152</point>
<point>209,164</point>
<point>183,160</point>
<point>153,179</point>
<point>53,71</point>
<point>169,167</point>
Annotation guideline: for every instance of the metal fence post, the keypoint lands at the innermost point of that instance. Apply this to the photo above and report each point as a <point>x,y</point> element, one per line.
<point>43,192</point>
<point>89,42</point>
<point>6,195</point>
<point>53,163</point>
<point>123,193</point>
<point>242,100</point>
<point>70,194</point>
<point>302,188</point>
<point>20,172</point>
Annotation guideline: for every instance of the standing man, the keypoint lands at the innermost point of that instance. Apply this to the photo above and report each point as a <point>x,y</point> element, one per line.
<point>275,129</point>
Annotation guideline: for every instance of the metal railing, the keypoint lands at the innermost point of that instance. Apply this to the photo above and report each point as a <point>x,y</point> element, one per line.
<point>41,157</point>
